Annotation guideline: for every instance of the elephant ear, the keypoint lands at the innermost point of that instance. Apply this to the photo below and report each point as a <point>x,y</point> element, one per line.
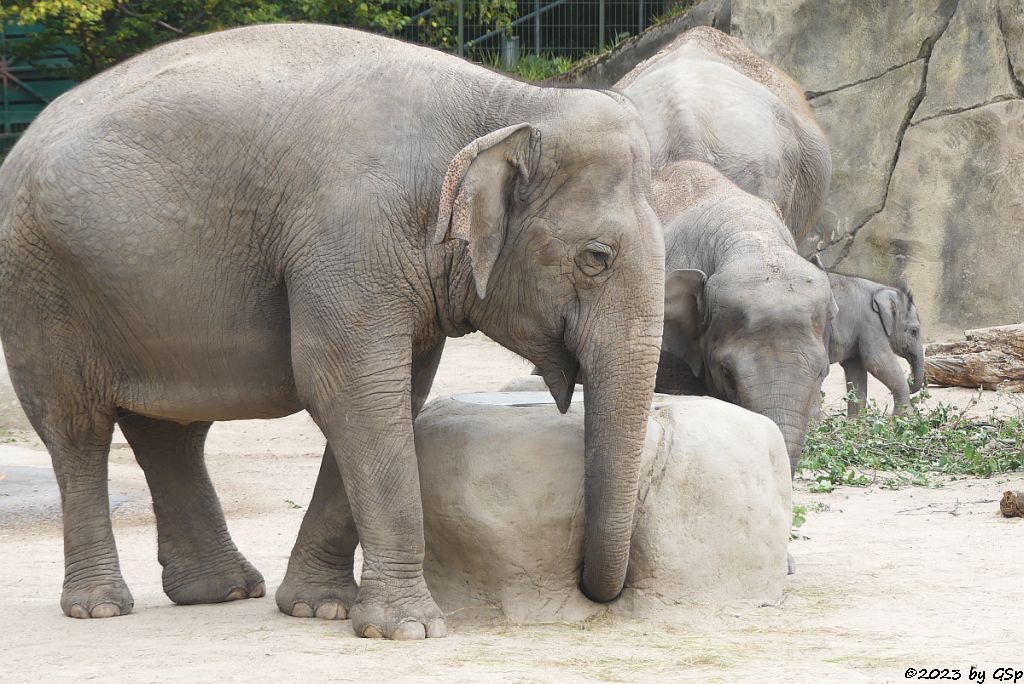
<point>833,307</point>
<point>885,304</point>
<point>477,191</point>
<point>684,316</point>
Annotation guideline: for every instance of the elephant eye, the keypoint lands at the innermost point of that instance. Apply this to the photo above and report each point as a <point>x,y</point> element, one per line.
<point>595,258</point>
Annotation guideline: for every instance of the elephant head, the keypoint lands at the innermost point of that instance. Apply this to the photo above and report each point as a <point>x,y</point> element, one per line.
<point>567,263</point>
<point>897,314</point>
<point>754,338</point>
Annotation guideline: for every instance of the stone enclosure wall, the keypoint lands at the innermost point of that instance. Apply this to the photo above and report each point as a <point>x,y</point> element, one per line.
<point>923,104</point>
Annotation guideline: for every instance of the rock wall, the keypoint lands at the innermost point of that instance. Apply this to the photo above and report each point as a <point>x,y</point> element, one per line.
<point>922,102</point>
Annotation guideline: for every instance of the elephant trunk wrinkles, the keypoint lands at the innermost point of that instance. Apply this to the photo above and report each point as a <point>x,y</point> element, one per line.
<point>620,384</point>
<point>916,360</point>
<point>790,414</point>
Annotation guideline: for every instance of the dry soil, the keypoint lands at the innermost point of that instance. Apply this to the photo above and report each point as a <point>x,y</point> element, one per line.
<point>917,578</point>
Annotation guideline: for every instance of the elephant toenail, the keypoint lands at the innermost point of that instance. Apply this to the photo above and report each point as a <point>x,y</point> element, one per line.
<point>301,609</point>
<point>236,594</point>
<point>331,611</point>
<point>371,632</point>
<point>410,630</point>
<point>78,611</point>
<point>438,628</point>
<point>258,591</point>
<point>105,610</point>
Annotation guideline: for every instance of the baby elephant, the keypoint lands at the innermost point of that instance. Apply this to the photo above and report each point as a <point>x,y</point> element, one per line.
<point>875,324</point>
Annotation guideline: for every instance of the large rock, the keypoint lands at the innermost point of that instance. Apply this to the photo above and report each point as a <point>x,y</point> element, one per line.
<point>502,493</point>
<point>969,65</point>
<point>863,123</point>
<point>921,100</point>
<point>954,219</point>
<point>830,45</point>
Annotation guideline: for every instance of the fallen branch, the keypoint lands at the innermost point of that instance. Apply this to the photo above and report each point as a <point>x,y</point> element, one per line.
<point>989,358</point>
<point>955,510</point>
<point>1012,504</point>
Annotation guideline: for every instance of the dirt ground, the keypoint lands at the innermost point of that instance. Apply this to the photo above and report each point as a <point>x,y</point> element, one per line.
<point>886,581</point>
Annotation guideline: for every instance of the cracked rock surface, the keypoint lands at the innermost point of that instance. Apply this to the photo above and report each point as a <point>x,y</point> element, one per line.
<point>922,101</point>
<point>502,491</point>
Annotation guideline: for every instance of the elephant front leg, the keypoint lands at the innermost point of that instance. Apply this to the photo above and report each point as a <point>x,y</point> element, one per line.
<point>888,370</point>
<point>320,581</point>
<point>374,449</point>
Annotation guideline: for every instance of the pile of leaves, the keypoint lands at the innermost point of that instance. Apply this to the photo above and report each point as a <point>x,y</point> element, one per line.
<point>921,449</point>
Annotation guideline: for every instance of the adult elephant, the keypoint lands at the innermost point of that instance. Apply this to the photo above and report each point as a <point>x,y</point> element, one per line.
<point>707,97</point>
<point>287,217</point>
<point>746,317</point>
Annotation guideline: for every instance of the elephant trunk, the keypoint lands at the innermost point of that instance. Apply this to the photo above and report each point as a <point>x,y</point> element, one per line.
<point>617,400</point>
<point>916,360</point>
<point>787,409</point>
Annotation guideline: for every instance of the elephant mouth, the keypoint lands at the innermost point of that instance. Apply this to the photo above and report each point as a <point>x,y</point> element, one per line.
<point>561,382</point>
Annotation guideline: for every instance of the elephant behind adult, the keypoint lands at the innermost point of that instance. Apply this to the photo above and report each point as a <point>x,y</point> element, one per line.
<point>287,217</point>
<point>745,315</point>
<point>877,324</point>
<point>708,97</point>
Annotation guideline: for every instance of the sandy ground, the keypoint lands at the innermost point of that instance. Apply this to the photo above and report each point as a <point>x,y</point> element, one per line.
<point>886,581</point>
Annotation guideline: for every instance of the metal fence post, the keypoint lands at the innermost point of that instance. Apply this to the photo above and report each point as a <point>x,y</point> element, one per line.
<point>536,27</point>
<point>600,24</point>
<point>462,27</point>
<point>641,3</point>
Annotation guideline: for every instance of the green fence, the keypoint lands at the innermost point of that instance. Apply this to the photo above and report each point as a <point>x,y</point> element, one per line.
<point>25,88</point>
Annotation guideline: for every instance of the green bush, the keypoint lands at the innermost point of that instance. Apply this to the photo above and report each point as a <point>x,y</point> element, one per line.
<point>919,449</point>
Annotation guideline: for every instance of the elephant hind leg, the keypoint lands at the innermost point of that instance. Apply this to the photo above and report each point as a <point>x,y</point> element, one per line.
<point>77,434</point>
<point>201,563</point>
<point>856,380</point>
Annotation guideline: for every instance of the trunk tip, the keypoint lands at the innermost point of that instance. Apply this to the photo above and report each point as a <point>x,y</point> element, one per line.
<point>603,593</point>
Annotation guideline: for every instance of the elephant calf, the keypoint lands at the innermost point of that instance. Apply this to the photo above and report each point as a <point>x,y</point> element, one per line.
<point>745,314</point>
<point>708,97</point>
<point>876,324</point>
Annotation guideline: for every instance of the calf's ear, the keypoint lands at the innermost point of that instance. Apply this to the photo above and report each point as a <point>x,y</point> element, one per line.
<point>885,304</point>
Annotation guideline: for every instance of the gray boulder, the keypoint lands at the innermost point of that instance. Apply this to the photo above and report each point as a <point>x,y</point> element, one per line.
<point>502,483</point>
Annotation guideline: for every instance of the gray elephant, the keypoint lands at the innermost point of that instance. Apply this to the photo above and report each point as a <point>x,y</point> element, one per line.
<point>287,217</point>
<point>876,325</point>
<point>707,97</point>
<point>745,314</point>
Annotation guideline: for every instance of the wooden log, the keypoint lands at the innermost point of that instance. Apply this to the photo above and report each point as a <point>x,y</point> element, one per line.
<point>989,358</point>
<point>1012,504</point>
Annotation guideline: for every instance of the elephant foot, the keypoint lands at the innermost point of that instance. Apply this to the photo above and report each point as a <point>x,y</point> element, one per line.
<point>321,598</point>
<point>213,583</point>
<point>109,598</point>
<point>397,610</point>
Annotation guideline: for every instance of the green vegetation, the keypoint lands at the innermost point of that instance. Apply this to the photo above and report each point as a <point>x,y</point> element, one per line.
<point>920,449</point>
<point>799,518</point>
<point>530,67</point>
<point>99,33</point>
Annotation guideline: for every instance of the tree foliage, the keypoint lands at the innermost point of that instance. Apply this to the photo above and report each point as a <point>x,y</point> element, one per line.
<point>99,33</point>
